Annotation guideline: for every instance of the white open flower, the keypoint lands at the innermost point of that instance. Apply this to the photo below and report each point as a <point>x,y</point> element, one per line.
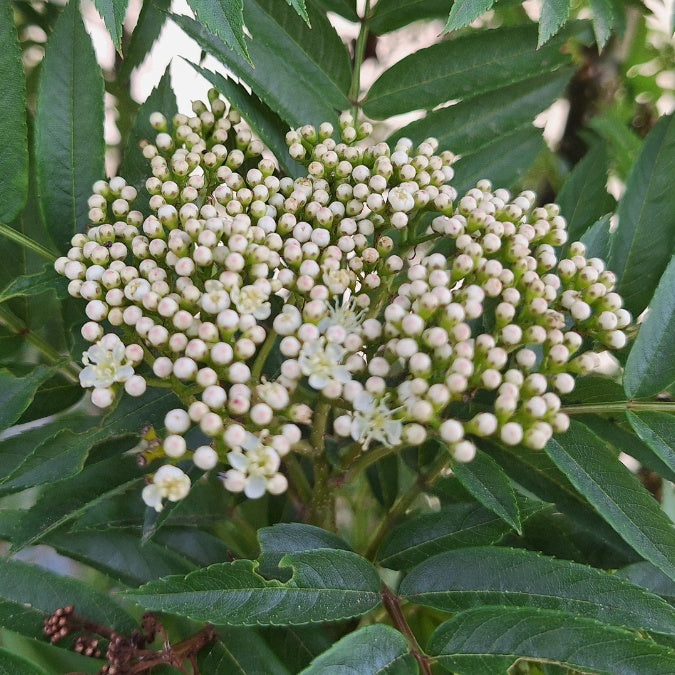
<point>374,421</point>
<point>251,299</point>
<point>254,469</point>
<point>169,482</point>
<point>105,363</point>
<point>321,362</point>
<point>344,314</point>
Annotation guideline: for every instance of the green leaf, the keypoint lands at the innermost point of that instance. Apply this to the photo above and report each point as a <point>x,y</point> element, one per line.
<point>513,577</point>
<point>595,389</point>
<point>34,593</point>
<point>651,362</point>
<point>488,639</point>
<point>383,478</point>
<point>376,650</point>
<point>596,238</point>
<point>135,167</point>
<point>621,438</point>
<point>68,127</point>
<point>583,198</point>
<point>657,430</point>
<point>504,161</point>
<point>242,651</point>
<point>463,13</point>
<point>196,545</point>
<point>12,664</point>
<point>316,76</point>
<point>470,125</point>
<point>623,144</point>
<point>34,284</point>
<point>264,121</point>
<point>147,30</point>
<point>55,396</point>
<point>283,538</point>
<point>642,244</point>
<point>537,473</point>
<point>297,646</point>
<point>299,7</point>
<point>394,14</point>
<point>224,18</point>
<point>485,480</point>
<point>119,554</point>
<point>61,450</point>
<point>13,128</point>
<point>468,66</point>
<point>113,12</point>
<point>646,575</point>
<point>556,534</point>
<point>454,526</point>
<point>14,449</point>
<point>61,455</point>
<point>66,499</point>
<point>616,494</point>
<point>603,20</point>
<point>327,585</point>
<point>554,14</point>
<point>16,393</point>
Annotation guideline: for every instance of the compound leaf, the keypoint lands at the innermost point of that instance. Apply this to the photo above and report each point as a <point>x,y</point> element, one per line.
<point>13,128</point>
<point>616,495</point>
<point>642,244</point>
<point>490,639</point>
<point>513,577</point>
<point>112,12</point>
<point>326,585</point>
<point>651,363</point>
<point>377,650</point>
<point>68,127</point>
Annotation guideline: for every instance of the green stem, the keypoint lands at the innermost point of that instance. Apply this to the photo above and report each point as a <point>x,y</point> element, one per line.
<point>352,451</point>
<point>298,479</point>
<point>264,352</point>
<point>362,462</point>
<point>401,505</point>
<point>322,502</point>
<point>26,242</point>
<point>159,384</point>
<point>70,370</point>
<point>359,52</point>
<point>618,406</point>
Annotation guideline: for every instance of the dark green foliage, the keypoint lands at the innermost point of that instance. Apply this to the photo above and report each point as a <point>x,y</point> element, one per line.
<point>560,559</point>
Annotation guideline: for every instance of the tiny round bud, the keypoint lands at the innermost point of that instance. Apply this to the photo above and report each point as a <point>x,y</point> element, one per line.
<point>464,451</point>
<point>135,385</point>
<point>451,431</point>
<point>102,397</point>
<point>511,433</point>
<point>205,458</point>
<point>174,446</point>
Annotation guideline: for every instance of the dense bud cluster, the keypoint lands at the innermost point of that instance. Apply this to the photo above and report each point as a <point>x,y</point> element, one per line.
<point>365,284</point>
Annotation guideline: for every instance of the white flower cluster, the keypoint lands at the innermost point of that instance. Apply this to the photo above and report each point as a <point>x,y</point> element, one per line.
<point>258,297</point>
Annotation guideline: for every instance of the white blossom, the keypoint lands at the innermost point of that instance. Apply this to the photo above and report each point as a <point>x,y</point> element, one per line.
<point>169,482</point>
<point>373,420</point>
<point>254,467</point>
<point>344,314</point>
<point>321,362</point>
<point>253,300</point>
<point>105,363</point>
